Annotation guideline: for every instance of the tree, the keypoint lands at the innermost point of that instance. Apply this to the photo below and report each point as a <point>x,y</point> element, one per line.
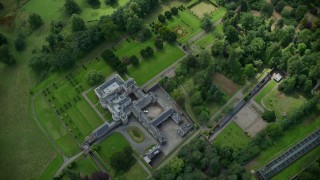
<point>177,94</point>
<point>94,3</point>
<point>168,14</point>
<point>176,165</point>
<point>134,60</point>
<point>77,24</point>
<point>3,39</point>
<point>100,176</point>
<point>300,12</point>
<point>161,18</point>
<point>279,6</point>
<point>123,160</point>
<point>174,11</point>
<point>249,70</point>
<point>110,2</point>
<point>94,77</point>
<point>39,63</point>
<point>134,24</point>
<point>35,21</point>
<point>217,47</point>
<point>269,116</point>
<point>71,7</point>
<point>107,27</point>
<point>206,23</point>
<point>287,35</point>
<point>19,43</point>
<point>144,34</point>
<point>274,130</point>
<point>63,59</point>
<point>231,33</point>
<point>5,56</point>
<point>158,43</point>
<point>287,85</point>
<point>246,21</point>
<point>1,6</point>
<point>267,10</point>
<point>171,37</point>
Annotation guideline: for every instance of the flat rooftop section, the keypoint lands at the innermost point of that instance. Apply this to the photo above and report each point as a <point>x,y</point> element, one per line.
<point>111,88</point>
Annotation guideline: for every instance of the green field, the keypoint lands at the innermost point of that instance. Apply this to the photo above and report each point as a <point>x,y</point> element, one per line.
<point>299,165</point>
<point>279,102</point>
<point>114,143</point>
<point>150,67</point>
<point>291,137</point>
<point>265,91</point>
<point>136,171</point>
<point>52,168</point>
<point>232,136</point>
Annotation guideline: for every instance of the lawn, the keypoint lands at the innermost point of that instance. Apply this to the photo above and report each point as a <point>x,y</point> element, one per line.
<point>85,166</point>
<point>267,88</point>
<point>218,14</point>
<point>206,41</point>
<point>93,97</point>
<point>279,102</point>
<point>299,165</point>
<point>136,134</point>
<point>233,136</point>
<point>135,171</point>
<point>203,8</point>
<point>114,143</point>
<point>291,137</point>
<point>52,168</point>
<point>148,68</point>
<point>186,20</point>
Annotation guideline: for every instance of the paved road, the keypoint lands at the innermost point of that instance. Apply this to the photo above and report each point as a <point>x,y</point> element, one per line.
<point>66,163</point>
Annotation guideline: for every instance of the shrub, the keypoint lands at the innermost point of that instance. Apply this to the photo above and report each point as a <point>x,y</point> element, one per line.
<point>3,39</point>
<point>161,18</point>
<point>110,2</point>
<point>134,60</point>
<point>269,116</point>
<point>168,14</point>
<point>174,11</point>
<point>19,43</point>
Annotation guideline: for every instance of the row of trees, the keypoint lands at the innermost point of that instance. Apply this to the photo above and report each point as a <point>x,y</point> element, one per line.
<point>114,61</point>
<point>168,14</point>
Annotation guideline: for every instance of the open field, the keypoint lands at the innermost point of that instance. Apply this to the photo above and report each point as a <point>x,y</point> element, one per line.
<point>280,103</point>
<point>225,84</point>
<point>53,10</point>
<point>136,172</point>
<point>203,8</point>
<point>264,91</point>
<point>232,136</point>
<point>114,143</point>
<point>291,137</point>
<point>52,168</point>
<point>150,67</point>
<point>299,165</point>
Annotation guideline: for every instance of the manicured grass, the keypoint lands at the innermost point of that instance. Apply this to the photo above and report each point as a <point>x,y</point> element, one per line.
<point>279,102</point>
<point>85,166</point>
<point>152,66</point>
<point>186,20</point>
<point>265,91</point>
<point>232,136</point>
<point>114,143</point>
<point>205,42</point>
<point>52,168</point>
<point>291,137</point>
<point>93,97</point>
<point>203,8</point>
<point>136,172</point>
<point>218,14</point>
<point>136,134</point>
<point>299,165</point>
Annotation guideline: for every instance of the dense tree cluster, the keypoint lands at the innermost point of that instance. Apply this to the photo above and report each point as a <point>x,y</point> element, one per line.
<point>114,61</point>
<point>200,160</point>
<point>123,160</point>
